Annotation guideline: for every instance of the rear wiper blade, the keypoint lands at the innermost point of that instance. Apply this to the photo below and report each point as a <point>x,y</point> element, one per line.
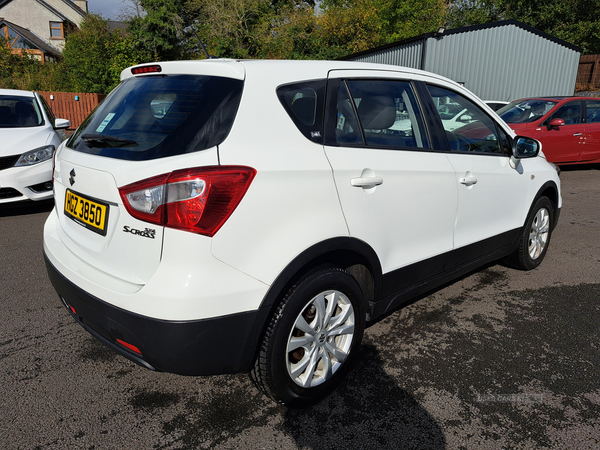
<point>103,140</point>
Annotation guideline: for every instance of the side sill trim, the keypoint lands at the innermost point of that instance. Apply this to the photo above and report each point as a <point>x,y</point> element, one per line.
<point>426,283</point>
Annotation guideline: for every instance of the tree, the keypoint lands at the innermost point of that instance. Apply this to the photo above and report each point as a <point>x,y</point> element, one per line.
<point>24,72</point>
<point>94,56</point>
<point>298,30</point>
<point>164,30</point>
<point>131,9</point>
<point>232,28</point>
<point>574,21</point>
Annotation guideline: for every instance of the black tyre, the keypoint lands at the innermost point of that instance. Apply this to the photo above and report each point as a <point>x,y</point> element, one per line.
<point>534,242</point>
<point>312,338</point>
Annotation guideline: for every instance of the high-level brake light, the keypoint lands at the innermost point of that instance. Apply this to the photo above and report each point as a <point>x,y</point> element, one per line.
<point>146,69</point>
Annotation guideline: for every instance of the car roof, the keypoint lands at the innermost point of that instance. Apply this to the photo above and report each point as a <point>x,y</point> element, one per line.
<point>278,71</point>
<point>555,98</point>
<point>16,92</point>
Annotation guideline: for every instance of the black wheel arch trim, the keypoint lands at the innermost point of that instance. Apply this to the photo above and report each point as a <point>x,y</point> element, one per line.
<point>542,191</point>
<point>341,251</point>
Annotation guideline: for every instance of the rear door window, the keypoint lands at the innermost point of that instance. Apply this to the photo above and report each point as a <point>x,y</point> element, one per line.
<point>153,117</point>
<point>592,111</point>
<point>388,114</point>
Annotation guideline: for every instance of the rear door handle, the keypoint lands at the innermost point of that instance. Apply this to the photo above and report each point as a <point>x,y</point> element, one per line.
<point>577,134</point>
<point>468,180</point>
<point>366,181</point>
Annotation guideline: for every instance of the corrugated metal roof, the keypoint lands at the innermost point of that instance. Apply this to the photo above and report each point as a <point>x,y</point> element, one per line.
<point>497,61</point>
<point>408,55</point>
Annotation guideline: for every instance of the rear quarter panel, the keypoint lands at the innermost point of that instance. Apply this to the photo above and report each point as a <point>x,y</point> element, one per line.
<point>291,204</point>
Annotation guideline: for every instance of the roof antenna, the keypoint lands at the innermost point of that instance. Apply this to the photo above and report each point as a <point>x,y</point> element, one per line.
<point>202,44</point>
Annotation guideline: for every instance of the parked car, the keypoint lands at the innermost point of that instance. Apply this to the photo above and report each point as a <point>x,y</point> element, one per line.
<point>495,104</point>
<point>567,127</point>
<point>454,116</point>
<point>29,135</point>
<point>268,211</point>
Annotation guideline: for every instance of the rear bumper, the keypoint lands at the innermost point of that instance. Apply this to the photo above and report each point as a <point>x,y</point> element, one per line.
<point>212,346</point>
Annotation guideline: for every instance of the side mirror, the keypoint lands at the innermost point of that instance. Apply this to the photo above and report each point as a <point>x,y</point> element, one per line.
<point>555,123</point>
<point>60,124</point>
<point>524,147</point>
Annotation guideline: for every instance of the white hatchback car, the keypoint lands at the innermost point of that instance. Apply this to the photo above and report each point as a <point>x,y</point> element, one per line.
<point>28,131</point>
<point>253,216</point>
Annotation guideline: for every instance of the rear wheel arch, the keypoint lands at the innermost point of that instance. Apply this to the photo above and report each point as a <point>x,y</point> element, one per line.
<point>350,254</point>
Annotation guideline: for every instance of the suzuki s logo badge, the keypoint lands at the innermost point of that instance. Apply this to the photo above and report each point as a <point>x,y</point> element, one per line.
<point>72,177</point>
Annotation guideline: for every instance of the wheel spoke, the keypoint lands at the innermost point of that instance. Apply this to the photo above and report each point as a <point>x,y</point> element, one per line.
<point>342,330</point>
<point>331,306</point>
<point>336,352</point>
<point>307,376</point>
<point>301,341</point>
<point>304,326</point>
<point>307,364</point>
<point>341,318</point>
<point>319,303</point>
<point>327,365</point>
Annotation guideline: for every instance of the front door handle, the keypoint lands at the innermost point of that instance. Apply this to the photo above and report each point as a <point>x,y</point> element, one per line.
<point>577,134</point>
<point>468,180</point>
<point>366,181</point>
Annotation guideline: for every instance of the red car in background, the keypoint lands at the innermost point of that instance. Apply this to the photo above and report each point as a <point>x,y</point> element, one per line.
<point>567,127</point>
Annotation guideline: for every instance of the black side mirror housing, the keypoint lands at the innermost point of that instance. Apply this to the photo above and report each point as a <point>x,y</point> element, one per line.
<point>524,147</point>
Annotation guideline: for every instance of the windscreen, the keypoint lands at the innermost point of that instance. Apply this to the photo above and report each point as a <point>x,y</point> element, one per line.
<point>19,112</point>
<point>157,116</point>
<point>526,111</point>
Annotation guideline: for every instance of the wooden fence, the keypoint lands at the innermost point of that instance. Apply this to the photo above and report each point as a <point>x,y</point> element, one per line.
<point>588,75</point>
<point>72,106</point>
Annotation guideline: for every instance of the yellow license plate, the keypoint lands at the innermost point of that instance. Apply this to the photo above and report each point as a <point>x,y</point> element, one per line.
<point>88,213</point>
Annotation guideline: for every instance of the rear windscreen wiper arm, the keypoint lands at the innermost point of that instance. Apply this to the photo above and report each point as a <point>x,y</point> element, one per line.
<point>98,140</point>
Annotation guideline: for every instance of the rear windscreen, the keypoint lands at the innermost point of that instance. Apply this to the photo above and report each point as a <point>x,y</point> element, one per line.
<point>157,116</point>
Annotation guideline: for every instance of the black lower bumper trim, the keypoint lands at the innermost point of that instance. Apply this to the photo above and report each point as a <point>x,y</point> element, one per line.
<point>200,347</point>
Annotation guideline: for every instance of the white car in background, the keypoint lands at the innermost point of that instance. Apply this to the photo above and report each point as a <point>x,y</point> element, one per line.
<point>28,139</point>
<point>496,104</point>
<point>229,216</point>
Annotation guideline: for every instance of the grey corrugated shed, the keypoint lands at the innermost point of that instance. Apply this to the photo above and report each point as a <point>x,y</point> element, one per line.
<point>503,60</point>
<point>408,55</point>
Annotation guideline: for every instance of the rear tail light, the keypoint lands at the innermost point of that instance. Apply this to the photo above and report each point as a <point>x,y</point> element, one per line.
<point>198,200</point>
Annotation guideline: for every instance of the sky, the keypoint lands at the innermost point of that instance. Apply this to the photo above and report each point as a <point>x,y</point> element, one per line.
<point>109,9</point>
